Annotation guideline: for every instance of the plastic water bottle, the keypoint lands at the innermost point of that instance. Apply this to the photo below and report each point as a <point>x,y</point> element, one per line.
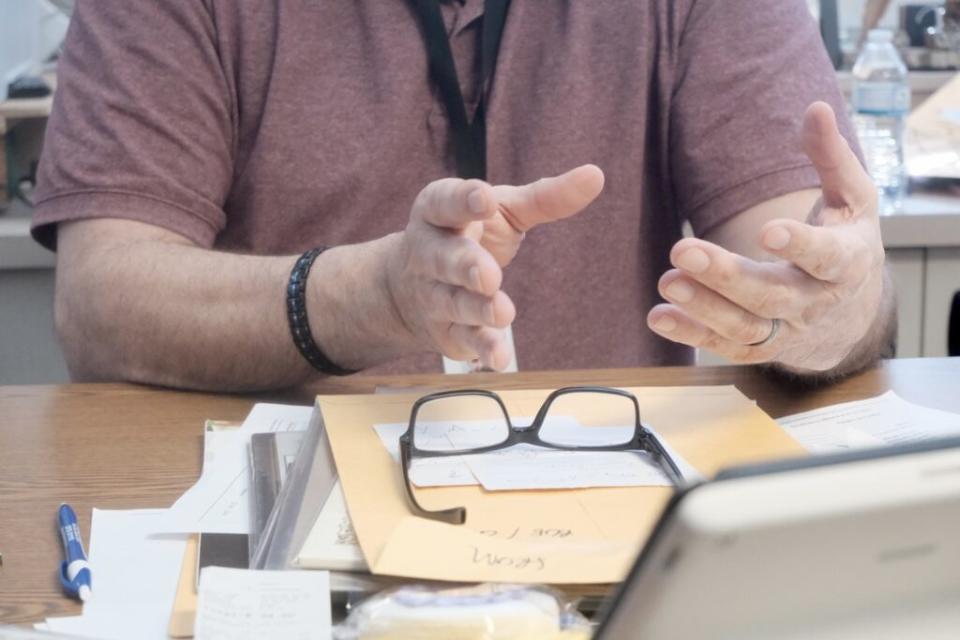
<point>881,100</point>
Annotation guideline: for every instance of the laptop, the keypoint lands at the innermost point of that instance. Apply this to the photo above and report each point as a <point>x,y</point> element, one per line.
<point>851,546</point>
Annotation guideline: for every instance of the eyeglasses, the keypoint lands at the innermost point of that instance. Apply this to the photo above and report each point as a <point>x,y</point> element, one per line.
<point>474,421</point>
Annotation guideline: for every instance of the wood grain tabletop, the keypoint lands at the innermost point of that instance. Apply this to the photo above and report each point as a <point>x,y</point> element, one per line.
<point>115,446</point>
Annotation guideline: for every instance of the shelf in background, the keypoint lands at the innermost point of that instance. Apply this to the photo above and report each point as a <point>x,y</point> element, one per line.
<point>17,248</point>
<point>927,220</point>
<point>23,108</point>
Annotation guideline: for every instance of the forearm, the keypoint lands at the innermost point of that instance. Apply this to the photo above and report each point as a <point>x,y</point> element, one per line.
<point>153,309</point>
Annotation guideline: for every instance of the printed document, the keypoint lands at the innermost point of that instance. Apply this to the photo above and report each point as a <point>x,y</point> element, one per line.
<point>885,420</point>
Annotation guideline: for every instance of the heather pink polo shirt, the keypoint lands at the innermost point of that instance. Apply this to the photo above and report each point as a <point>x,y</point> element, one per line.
<point>269,127</point>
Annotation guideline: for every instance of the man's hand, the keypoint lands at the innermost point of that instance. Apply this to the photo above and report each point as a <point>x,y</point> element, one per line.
<point>824,285</point>
<point>446,272</point>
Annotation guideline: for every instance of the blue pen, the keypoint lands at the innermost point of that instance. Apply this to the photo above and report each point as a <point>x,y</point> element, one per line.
<point>74,571</point>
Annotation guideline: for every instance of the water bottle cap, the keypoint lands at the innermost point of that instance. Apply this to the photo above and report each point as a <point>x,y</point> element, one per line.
<point>880,35</point>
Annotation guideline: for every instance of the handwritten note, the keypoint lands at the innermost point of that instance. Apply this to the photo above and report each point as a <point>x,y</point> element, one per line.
<point>439,436</point>
<point>885,420</point>
<point>238,604</point>
<point>526,466</point>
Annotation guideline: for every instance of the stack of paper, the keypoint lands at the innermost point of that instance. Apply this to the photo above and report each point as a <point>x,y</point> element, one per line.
<point>135,556</point>
<point>219,502</point>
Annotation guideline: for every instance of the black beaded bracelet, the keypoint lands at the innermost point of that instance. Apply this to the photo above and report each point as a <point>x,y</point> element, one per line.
<point>297,317</point>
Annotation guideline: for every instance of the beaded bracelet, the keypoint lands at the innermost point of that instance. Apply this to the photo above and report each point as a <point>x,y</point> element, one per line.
<point>297,317</point>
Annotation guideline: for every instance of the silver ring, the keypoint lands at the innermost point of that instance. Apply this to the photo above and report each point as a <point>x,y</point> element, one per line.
<point>774,329</point>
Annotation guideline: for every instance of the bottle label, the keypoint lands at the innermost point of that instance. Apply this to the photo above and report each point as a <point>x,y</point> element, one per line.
<point>881,98</point>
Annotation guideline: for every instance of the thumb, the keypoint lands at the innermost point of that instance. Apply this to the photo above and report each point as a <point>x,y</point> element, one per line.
<point>845,183</point>
<point>549,199</point>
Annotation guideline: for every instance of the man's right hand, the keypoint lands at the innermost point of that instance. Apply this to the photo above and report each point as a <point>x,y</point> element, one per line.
<point>141,303</point>
<point>446,271</point>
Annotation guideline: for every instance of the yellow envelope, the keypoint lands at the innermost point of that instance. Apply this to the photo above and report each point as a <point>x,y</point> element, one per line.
<point>579,536</point>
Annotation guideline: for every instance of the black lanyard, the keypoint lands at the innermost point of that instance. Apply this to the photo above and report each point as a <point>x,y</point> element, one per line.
<point>469,138</point>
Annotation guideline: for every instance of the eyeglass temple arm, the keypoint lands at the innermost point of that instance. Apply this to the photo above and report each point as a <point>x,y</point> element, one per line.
<point>456,515</point>
<point>653,443</point>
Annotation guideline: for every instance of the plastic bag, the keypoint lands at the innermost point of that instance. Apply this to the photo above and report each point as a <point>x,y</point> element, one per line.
<point>482,612</point>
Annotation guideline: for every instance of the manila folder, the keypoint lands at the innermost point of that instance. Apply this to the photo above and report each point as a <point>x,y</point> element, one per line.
<point>580,536</point>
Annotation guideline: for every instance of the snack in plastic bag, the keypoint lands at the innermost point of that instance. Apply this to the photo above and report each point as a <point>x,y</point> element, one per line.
<point>482,612</point>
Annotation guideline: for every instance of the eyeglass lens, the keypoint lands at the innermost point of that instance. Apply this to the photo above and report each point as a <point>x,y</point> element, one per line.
<point>589,419</point>
<point>440,425</point>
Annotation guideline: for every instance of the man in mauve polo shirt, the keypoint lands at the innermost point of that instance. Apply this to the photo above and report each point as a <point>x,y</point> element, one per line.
<point>196,149</point>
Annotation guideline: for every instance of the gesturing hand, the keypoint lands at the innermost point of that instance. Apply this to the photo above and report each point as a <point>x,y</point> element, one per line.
<point>445,273</point>
<point>812,306</point>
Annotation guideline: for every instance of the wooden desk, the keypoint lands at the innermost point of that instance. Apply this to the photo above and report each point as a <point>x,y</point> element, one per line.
<point>124,446</point>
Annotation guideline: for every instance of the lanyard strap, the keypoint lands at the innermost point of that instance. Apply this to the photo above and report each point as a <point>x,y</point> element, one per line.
<point>469,138</point>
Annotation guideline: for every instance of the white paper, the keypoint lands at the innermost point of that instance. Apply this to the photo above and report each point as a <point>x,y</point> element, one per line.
<point>528,466</point>
<point>442,472</point>
<point>271,418</point>
<point>881,421</point>
<point>237,604</point>
<point>332,542</point>
<point>219,502</point>
<point>525,467</point>
<point>62,626</point>
<point>134,573</point>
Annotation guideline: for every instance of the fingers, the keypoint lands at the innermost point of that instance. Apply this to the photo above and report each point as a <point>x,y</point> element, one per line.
<point>486,344</point>
<point>447,278</point>
<point>453,259</point>
<point>766,289</point>
<point>673,324</point>
<point>449,304</point>
<point>714,312</point>
<point>453,203</point>
<point>472,324</point>
<point>549,199</point>
<point>845,183</point>
<point>831,254</point>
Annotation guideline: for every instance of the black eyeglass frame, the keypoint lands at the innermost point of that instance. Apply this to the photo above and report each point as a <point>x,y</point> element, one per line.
<point>643,440</point>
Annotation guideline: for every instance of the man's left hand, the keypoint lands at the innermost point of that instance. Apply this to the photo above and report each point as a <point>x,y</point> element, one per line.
<point>815,301</point>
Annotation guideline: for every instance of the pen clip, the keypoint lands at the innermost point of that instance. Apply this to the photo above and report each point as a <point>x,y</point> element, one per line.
<point>75,588</point>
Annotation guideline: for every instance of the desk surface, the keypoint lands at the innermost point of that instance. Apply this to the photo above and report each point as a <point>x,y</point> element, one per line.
<point>124,446</point>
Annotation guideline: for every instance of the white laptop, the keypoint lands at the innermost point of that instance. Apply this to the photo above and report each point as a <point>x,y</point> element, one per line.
<point>860,545</point>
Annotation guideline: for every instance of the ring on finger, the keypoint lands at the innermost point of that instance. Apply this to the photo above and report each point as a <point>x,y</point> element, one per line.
<point>774,330</point>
